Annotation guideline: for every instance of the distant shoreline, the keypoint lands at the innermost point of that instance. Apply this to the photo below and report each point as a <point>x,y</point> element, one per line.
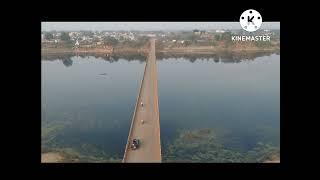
<point>135,54</point>
<point>205,50</point>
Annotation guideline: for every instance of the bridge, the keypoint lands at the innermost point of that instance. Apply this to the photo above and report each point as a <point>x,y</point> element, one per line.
<point>145,124</point>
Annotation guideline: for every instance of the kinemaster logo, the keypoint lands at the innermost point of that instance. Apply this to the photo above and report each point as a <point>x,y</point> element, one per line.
<point>250,21</point>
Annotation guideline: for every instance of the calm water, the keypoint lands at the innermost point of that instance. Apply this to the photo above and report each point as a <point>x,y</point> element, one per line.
<point>240,99</point>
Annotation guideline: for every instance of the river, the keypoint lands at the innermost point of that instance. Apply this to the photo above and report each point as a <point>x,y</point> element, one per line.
<point>88,101</point>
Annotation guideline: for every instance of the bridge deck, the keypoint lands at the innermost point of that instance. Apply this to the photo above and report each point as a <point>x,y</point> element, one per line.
<point>148,132</point>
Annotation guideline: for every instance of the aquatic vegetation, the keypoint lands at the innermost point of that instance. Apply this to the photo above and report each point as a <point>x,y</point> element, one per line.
<point>87,153</point>
<point>72,150</point>
<point>203,146</point>
<point>49,132</point>
<point>263,152</point>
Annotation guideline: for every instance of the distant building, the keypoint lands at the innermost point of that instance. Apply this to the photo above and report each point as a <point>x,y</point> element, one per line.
<point>151,35</point>
<point>201,40</point>
<point>220,31</point>
<point>206,36</point>
<point>196,32</point>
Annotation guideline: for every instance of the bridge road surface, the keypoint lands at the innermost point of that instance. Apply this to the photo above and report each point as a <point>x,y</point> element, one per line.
<point>148,132</point>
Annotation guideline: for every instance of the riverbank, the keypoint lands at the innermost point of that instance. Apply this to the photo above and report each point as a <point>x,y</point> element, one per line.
<point>52,157</point>
<point>274,161</point>
<point>176,50</point>
<point>69,155</point>
<point>224,56</point>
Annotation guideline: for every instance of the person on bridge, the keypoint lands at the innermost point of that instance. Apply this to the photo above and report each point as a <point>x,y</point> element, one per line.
<point>141,104</point>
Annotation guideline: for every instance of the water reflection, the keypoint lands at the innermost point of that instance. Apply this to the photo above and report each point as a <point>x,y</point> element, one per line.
<point>223,57</point>
<point>216,59</point>
<point>67,61</point>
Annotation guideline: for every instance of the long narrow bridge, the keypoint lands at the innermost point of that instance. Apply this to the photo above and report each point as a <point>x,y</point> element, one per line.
<point>145,124</point>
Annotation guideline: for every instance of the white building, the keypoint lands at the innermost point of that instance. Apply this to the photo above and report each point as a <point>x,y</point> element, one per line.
<point>197,32</point>
<point>151,35</point>
<point>220,31</point>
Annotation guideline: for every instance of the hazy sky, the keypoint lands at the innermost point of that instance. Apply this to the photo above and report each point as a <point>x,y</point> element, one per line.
<point>146,26</point>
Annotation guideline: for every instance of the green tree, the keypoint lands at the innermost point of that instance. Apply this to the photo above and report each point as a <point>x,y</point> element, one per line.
<point>88,33</point>
<point>192,37</point>
<point>212,43</point>
<point>65,36</point>
<point>48,36</point>
<point>187,43</point>
<point>159,45</point>
<point>110,40</point>
<point>196,30</point>
<point>217,37</point>
<point>142,41</point>
<point>226,37</point>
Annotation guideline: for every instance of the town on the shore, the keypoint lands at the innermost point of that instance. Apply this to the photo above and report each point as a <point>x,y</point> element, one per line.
<point>108,41</point>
